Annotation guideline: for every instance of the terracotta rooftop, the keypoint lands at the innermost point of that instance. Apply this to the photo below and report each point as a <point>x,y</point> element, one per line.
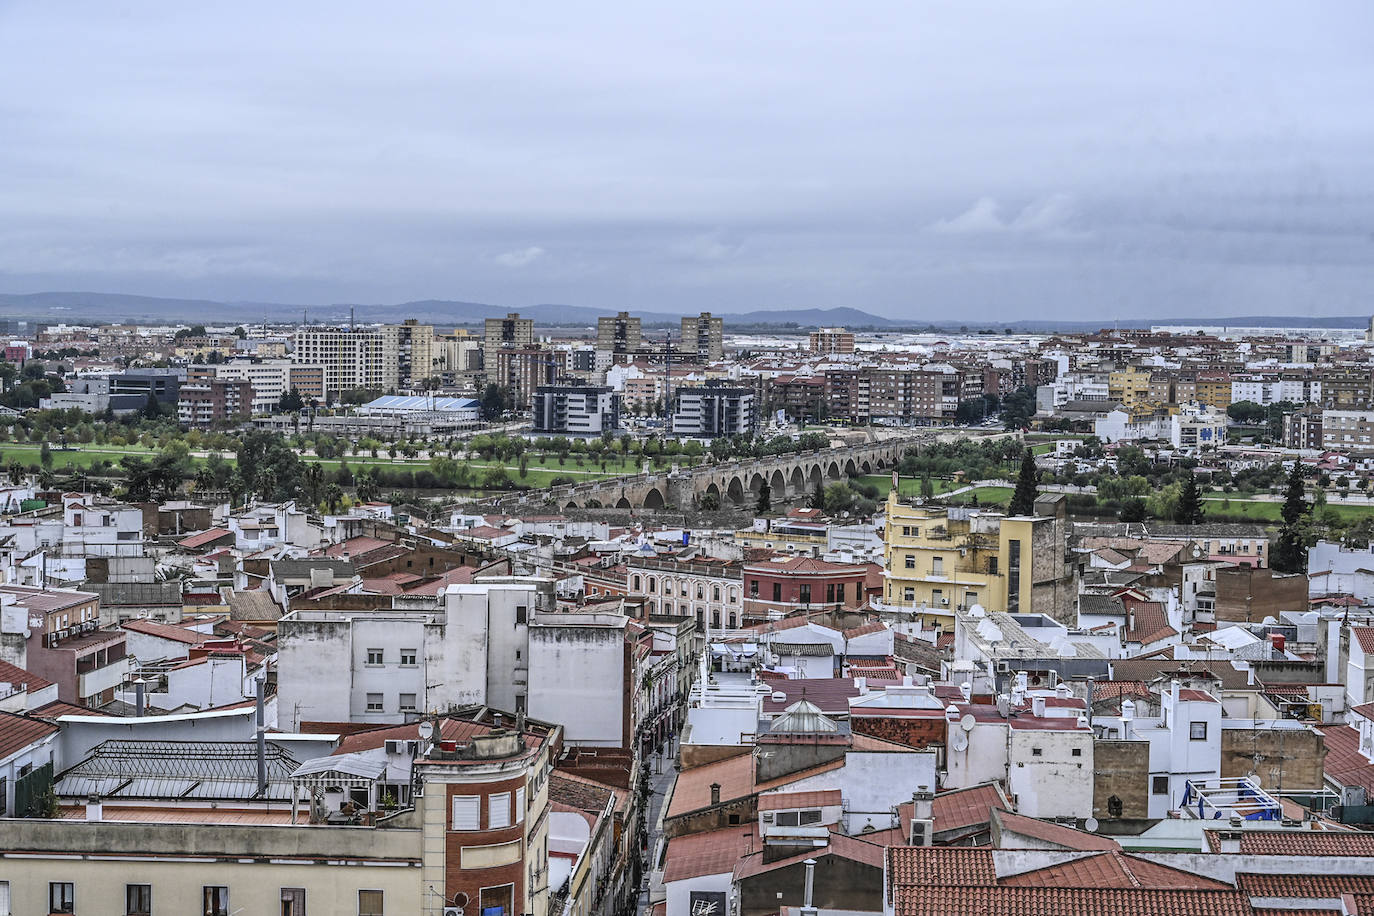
<point>849,848</point>
<point>925,866</point>
<point>774,801</point>
<point>13,674</point>
<point>167,631</point>
<point>735,776</point>
<point>1299,843</point>
<point>1291,885</point>
<point>18,732</point>
<point>1112,869</point>
<point>1365,637</point>
<point>1045,832</point>
<point>201,538</point>
<point>714,852</point>
<point>1065,901</point>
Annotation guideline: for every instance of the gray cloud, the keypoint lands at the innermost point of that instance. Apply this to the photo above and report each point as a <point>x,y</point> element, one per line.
<point>1065,159</point>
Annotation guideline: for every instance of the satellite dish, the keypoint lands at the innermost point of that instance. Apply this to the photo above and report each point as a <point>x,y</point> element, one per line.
<point>961,742</point>
<point>1197,550</point>
<point>426,730</point>
<point>967,722</point>
<point>1091,825</point>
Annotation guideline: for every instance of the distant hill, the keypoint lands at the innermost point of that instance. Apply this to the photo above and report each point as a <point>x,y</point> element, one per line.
<point>120,307</point>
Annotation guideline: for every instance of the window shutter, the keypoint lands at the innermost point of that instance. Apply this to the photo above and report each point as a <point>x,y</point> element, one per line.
<point>467,812</point>
<point>520,804</point>
<point>498,810</point>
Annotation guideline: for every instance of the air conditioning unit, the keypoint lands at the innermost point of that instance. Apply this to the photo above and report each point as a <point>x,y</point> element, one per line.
<point>395,747</point>
<point>944,602</point>
<point>1003,667</point>
<point>453,911</point>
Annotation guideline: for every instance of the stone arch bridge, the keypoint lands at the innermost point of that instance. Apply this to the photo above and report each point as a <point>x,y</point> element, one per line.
<point>731,483</point>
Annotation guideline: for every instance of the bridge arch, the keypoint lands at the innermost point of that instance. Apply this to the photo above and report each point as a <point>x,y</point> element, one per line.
<point>623,503</point>
<point>833,470</point>
<point>814,477</point>
<point>713,490</point>
<point>850,468</point>
<point>779,484</point>
<point>798,481</point>
<point>654,499</point>
<point>866,466</point>
<point>735,490</point>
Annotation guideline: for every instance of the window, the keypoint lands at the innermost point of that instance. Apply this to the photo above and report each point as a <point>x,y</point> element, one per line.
<point>374,656</point>
<point>370,903</point>
<point>715,593</point>
<point>519,804</point>
<point>216,900</point>
<point>653,584</point>
<point>61,897</point>
<point>753,588</point>
<point>406,703</point>
<point>408,657</point>
<point>1197,731</point>
<point>1035,752</point>
<point>805,593</point>
<point>374,702</point>
<point>786,819</point>
<point>715,619</point>
<point>293,901</point>
<point>830,593</point>
<point>777,591</point>
<point>810,817</point>
<point>635,586</point>
<point>521,614</point>
<point>498,810</point>
<point>1013,576</point>
<point>1159,785</point>
<point>992,566</point>
<point>906,531</point>
<point>839,592</point>
<point>138,899</point>
<point>1114,806</point>
<point>467,812</point>
<point>734,596</point>
<point>937,566</point>
<point>732,620</point>
<point>909,594</point>
<point>1077,752</point>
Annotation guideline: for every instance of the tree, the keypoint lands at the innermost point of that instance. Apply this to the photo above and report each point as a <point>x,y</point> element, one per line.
<point>1133,510</point>
<point>817,500</point>
<point>927,487</point>
<point>524,466</point>
<point>1189,509</point>
<point>1023,499</point>
<point>838,498</point>
<point>290,401</point>
<point>1018,408</point>
<point>45,457</point>
<point>765,502</point>
<point>495,402</point>
<point>709,502</point>
<point>1247,412</point>
<point>1289,554</point>
<point>269,466</point>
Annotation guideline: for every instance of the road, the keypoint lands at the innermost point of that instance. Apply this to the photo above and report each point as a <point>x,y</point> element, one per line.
<point>660,788</point>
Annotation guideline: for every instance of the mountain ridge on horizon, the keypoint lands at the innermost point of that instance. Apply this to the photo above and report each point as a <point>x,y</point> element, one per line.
<point>118,307</point>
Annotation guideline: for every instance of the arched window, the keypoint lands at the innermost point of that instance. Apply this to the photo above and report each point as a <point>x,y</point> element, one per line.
<point>715,619</point>
<point>734,596</point>
<point>732,620</point>
<point>653,584</point>
<point>701,592</point>
<point>636,583</point>
<point>667,586</point>
<point>701,617</point>
<point>715,593</point>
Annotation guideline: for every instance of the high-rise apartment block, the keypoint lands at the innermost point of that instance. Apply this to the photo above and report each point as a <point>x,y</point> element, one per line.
<point>621,334</point>
<point>509,333</point>
<point>832,340</point>
<point>390,358</point>
<point>704,336</point>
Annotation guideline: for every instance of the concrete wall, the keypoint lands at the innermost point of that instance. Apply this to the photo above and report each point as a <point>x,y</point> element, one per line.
<point>1287,759</point>
<point>840,885</point>
<point>578,679</point>
<point>1054,782</point>
<point>1121,768</point>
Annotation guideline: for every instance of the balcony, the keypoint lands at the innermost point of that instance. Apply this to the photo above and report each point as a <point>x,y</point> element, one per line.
<point>102,679</point>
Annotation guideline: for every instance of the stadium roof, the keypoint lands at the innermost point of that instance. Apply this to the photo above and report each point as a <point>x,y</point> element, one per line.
<point>400,403</point>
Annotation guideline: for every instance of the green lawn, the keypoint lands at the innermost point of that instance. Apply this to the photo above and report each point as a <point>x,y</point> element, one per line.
<point>910,486</point>
<point>83,456</point>
<point>1271,511</point>
<point>987,496</point>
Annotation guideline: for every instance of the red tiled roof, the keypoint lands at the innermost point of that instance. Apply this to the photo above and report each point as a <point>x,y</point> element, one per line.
<point>1343,762</point>
<point>18,732</point>
<point>13,674</point>
<point>873,626</point>
<point>58,708</point>
<point>1306,911</point>
<point>969,807</point>
<point>200,539</point>
<point>1112,869</point>
<point>1103,690</point>
<point>923,866</point>
<point>1065,901</point>
<point>1200,696</point>
<point>735,776</point>
<point>841,846</point>
<point>166,631</point>
<point>1364,709</point>
<point>1299,843</point>
<point>1066,837</point>
<point>1365,637</point>
<point>775,801</point>
<point>1284,884</point>
<point>714,852</point>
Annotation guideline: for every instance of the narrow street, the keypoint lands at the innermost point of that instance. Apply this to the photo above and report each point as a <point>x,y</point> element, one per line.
<point>660,787</point>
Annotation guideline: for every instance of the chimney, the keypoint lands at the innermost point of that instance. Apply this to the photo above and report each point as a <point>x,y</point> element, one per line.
<point>715,793</point>
<point>94,809</point>
<point>966,690</point>
<point>1127,714</point>
<point>138,697</point>
<point>862,684</point>
<point>520,721</point>
<point>1230,842</point>
<point>261,684</point>
<point>1092,690</point>
<point>1038,706</point>
<point>923,803</point>
<point>807,908</point>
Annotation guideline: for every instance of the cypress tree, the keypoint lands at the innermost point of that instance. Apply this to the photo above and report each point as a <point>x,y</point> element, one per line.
<point>1289,554</point>
<point>1023,499</point>
<point>1189,509</point>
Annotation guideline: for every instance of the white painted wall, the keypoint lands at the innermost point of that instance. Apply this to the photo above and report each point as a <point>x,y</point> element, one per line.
<point>1054,783</point>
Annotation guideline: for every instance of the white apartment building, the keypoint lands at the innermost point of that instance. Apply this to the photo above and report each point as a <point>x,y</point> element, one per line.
<point>1198,426</point>
<point>351,359</point>
<point>1348,430</point>
<point>1261,388</point>
<point>498,643</point>
<point>270,379</point>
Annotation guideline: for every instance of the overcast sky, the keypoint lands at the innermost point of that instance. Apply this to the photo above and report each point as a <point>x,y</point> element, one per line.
<point>915,159</point>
